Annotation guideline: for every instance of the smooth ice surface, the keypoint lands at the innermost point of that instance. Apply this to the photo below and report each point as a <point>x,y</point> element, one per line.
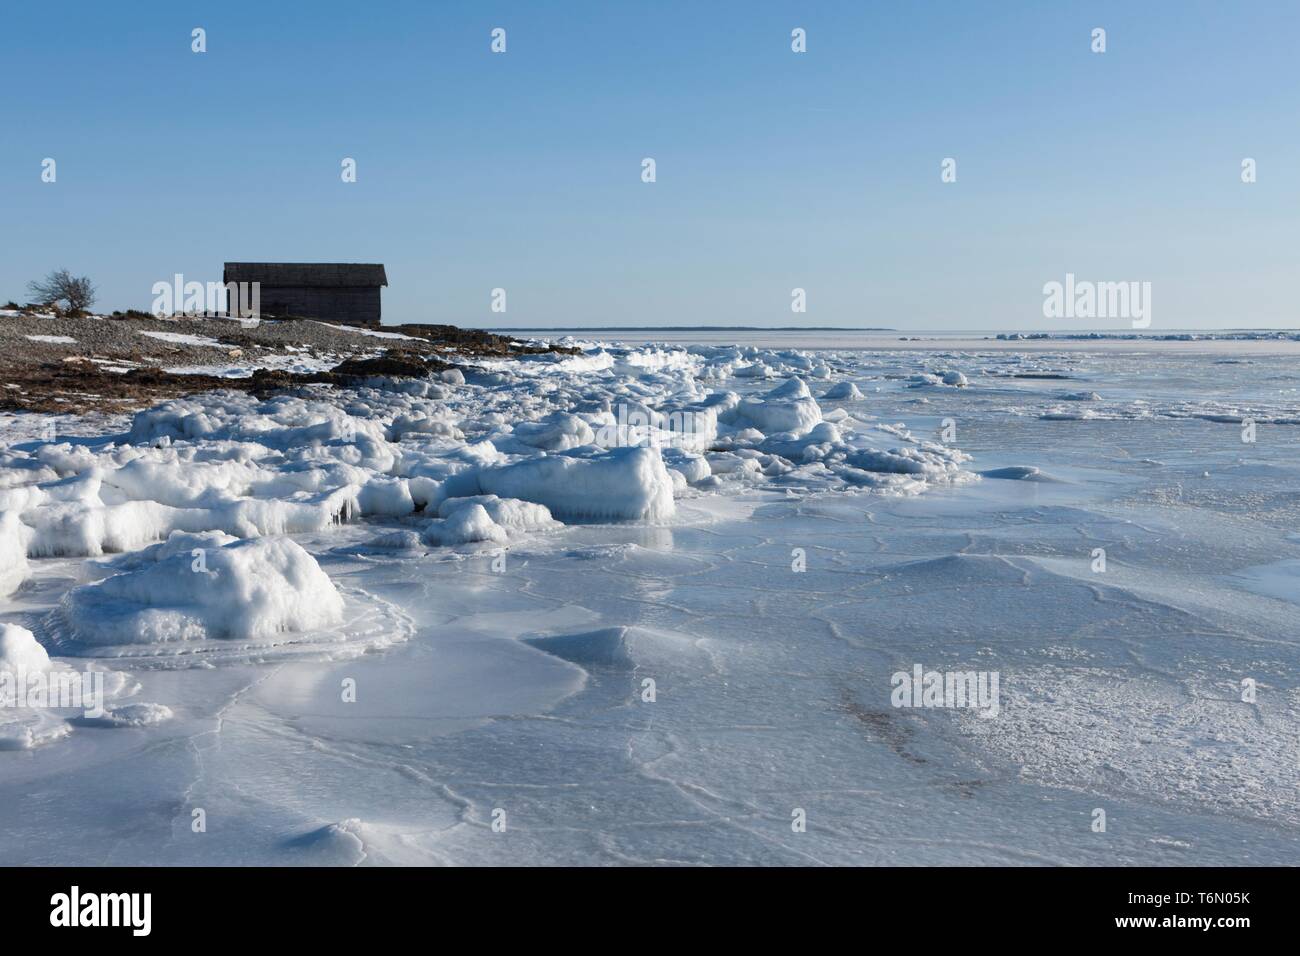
<point>436,600</point>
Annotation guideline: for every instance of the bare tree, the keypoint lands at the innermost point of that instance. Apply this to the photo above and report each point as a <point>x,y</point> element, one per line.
<point>62,286</point>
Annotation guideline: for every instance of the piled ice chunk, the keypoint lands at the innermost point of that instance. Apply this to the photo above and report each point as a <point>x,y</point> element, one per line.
<point>248,590</point>
<point>13,553</point>
<point>623,483</point>
<point>788,408</point>
<point>486,518</point>
<point>20,654</point>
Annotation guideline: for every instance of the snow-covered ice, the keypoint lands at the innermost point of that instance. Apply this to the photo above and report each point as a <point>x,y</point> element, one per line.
<point>648,600</point>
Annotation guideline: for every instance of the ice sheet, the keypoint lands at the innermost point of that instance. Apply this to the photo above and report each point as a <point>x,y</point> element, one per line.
<point>504,679</point>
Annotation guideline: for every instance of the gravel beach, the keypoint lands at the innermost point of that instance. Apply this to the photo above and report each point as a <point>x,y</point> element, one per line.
<point>64,364</point>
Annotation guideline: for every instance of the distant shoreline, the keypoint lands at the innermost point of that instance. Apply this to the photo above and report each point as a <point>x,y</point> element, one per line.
<point>1218,342</point>
<point>701,328</point>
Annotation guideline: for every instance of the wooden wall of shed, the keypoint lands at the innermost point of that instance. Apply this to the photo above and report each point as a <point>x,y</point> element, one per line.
<point>347,304</point>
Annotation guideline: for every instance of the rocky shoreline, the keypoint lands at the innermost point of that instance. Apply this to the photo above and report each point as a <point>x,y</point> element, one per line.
<point>68,364</point>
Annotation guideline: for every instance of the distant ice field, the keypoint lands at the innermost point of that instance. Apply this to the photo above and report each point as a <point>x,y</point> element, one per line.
<point>427,613</point>
<point>1201,341</point>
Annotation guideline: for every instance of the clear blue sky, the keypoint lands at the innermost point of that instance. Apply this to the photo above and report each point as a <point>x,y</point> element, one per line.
<point>775,170</point>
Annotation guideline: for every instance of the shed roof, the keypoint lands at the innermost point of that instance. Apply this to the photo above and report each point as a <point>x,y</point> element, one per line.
<point>309,274</point>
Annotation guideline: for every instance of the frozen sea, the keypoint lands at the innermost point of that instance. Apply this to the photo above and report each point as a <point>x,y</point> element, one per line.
<point>676,673</point>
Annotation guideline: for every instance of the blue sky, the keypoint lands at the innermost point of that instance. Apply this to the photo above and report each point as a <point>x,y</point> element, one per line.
<point>775,170</point>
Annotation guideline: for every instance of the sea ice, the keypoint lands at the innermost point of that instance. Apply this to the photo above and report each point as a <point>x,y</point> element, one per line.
<point>764,569</point>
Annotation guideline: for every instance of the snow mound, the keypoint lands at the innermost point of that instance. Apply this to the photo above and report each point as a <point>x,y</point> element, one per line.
<point>559,431</point>
<point>252,590</point>
<point>20,653</point>
<point>486,518</point>
<point>624,483</point>
<point>467,525</point>
<point>789,407</point>
<point>510,513</point>
<point>843,392</point>
<point>13,554</point>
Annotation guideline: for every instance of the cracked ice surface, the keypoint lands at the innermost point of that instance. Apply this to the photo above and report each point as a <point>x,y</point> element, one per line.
<point>495,572</point>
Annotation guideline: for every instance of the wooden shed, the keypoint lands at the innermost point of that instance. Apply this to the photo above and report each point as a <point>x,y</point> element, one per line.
<point>329,291</point>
